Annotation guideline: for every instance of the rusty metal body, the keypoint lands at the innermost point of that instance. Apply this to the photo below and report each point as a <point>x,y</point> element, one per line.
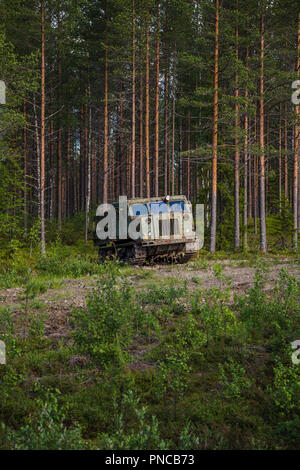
<point>166,232</point>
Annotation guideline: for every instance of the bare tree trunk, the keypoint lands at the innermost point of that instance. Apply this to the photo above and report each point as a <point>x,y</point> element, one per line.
<point>246,169</point>
<point>75,191</point>
<point>25,173</point>
<point>286,174</point>
<point>141,123</point>
<point>279,159</point>
<point>173,138</point>
<point>52,170</point>
<point>128,156</point>
<point>255,193</point>
<point>133,105</point>
<point>250,178</point>
<point>237,152</point>
<point>86,151</point>
<point>94,173</point>
<point>262,207</point>
<point>38,153</point>
<point>180,159</point>
<point>255,175</point>
<point>112,146</point>
<point>296,149</point>
<point>213,223</point>
<point>88,195</point>
<point>105,156</point>
<point>166,128</point>
<point>122,155</point>
<point>147,98</point>
<point>59,153</point>
<point>188,170</point>
<point>42,184</point>
<point>68,199</point>
<point>156,152</point>
<point>81,187</point>
<point>109,164</point>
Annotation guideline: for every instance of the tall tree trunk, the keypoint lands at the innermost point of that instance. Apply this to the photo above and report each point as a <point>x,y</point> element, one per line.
<point>25,173</point>
<point>250,178</point>
<point>109,162</point>
<point>122,161</point>
<point>255,201</point>
<point>262,207</point>
<point>173,139</point>
<point>141,124</point>
<point>88,194</point>
<point>133,105</point>
<point>81,187</point>
<point>246,166</point>
<point>105,156</point>
<point>118,159</point>
<point>42,184</point>
<point>38,153</point>
<point>59,150</point>
<point>237,152</point>
<point>279,159</point>
<point>188,169</point>
<point>75,190</point>
<point>52,168</point>
<point>85,162</point>
<point>147,99</point>
<point>180,158</point>
<point>286,171</point>
<point>156,145</point>
<point>166,160</point>
<point>213,223</point>
<point>255,174</point>
<point>296,149</point>
<point>68,174</point>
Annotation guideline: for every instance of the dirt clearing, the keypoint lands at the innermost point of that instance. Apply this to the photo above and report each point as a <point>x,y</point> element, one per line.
<point>57,303</point>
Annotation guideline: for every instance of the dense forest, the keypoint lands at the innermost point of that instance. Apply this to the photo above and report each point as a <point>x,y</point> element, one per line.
<point>147,99</point>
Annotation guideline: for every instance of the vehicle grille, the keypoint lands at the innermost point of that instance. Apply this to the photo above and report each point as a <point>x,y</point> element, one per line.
<point>168,227</point>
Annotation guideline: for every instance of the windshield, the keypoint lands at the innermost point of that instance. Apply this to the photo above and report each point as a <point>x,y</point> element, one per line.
<point>176,206</point>
<point>138,209</point>
<point>158,208</point>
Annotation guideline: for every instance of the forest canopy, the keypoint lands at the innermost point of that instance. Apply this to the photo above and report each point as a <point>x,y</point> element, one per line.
<point>107,98</point>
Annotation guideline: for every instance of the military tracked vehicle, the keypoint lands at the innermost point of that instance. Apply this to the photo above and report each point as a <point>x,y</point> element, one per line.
<point>147,231</point>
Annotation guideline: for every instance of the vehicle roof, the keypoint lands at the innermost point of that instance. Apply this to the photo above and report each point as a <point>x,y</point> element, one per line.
<point>155,199</point>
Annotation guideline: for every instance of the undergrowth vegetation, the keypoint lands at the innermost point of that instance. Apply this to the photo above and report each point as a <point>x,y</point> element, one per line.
<point>17,263</point>
<point>153,366</point>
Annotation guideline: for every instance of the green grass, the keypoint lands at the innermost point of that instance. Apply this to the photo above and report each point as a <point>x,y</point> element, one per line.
<point>158,367</point>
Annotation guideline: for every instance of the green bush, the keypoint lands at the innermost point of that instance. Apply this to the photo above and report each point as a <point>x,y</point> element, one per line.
<point>233,378</point>
<point>105,328</point>
<point>275,318</point>
<point>56,264</point>
<point>46,430</point>
<point>285,391</point>
<point>139,436</point>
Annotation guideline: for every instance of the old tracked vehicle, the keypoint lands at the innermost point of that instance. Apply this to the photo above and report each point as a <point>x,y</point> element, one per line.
<point>141,231</point>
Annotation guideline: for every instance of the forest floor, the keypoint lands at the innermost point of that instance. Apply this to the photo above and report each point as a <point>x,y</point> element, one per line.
<point>200,350</point>
<point>58,302</point>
